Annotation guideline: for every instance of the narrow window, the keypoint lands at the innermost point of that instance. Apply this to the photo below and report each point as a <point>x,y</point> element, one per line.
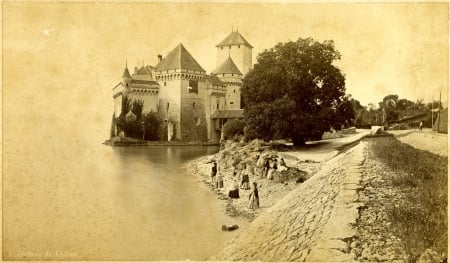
<point>223,75</point>
<point>193,86</point>
<point>221,48</point>
<point>193,105</point>
<point>164,83</point>
<point>234,91</point>
<point>239,46</point>
<point>218,103</point>
<point>229,47</point>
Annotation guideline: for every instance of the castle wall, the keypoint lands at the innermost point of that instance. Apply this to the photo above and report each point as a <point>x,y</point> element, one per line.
<point>193,109</point>
<point>214,100</point>
<point>170,104</point>
<point>150,100</point>
<point>233,86</point>
<point>117,105</point>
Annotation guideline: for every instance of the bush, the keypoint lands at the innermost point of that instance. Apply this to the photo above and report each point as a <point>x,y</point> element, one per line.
<point>233,128</point>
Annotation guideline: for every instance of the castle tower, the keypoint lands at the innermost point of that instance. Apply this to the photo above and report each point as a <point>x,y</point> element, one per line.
<point>182,91</point>
<point>238,49</point>
<point>119,90</point>
<point>126,77</point>
<point>231,76</point>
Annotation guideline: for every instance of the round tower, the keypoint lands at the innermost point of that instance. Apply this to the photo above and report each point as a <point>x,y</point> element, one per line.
<point>126,77</point>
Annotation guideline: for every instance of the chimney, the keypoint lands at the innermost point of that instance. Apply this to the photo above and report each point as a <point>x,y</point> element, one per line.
<point>159,58</point>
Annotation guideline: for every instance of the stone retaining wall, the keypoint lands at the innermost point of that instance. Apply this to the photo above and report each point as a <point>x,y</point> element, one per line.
<point>314,222</point>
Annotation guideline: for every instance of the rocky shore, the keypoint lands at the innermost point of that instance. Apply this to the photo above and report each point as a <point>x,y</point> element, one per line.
<point>233,156</point>
<point>339,213</point>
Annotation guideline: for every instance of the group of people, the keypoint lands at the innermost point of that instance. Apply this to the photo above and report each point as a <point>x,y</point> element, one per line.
<point>240,180</point>
<point>271,166</point>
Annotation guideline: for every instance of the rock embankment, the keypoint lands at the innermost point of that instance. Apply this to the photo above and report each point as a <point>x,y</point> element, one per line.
<point>233,156</point>
<point>314,222</point>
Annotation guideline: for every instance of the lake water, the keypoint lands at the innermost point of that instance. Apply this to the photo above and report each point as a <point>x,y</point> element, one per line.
<point>93,202</point>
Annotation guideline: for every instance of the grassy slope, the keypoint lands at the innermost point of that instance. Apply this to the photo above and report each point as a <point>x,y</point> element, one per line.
<point>421,222</point>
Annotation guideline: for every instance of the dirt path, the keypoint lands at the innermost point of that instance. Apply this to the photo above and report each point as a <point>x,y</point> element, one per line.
<point>427,140</point>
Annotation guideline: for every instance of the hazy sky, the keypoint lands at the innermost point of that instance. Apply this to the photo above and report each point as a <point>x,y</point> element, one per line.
<point>70,55</point>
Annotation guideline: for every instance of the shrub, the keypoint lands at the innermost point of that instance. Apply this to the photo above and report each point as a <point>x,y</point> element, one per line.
<point>233,128</point>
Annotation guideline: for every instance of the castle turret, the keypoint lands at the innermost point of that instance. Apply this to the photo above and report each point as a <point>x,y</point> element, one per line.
<point>238,48</point>
<point>126,77</point>
<point>231,76</point>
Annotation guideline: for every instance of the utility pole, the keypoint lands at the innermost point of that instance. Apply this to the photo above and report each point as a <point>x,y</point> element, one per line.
<point>439,114</point>
<point>432,108</point>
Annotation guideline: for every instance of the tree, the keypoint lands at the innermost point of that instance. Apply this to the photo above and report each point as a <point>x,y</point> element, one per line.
<point>294,91</point>
<point>151,125</point>
<point>233,127</point>
<point>137,107</point>
<point>126,105</point>
<point>112,132</point>
<point>389,106</point>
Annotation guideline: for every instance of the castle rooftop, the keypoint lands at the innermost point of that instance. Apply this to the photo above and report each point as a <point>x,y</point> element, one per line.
<point>227,67</point>
<point>179,58</point>
<point>234,38</point>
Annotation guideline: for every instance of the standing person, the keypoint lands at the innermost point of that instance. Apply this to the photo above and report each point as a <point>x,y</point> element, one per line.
<point>234,189</point>
<point>420,126</point>
<point>219,180</point>
<point>253,197</point>
<point>266,168</point>
<point>213,172</point>
<point>245,179</point>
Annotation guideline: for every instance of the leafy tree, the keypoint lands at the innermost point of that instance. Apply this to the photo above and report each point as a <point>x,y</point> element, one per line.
<point>151,125</point>
<point>294,91</point>
<point>112,132</point>
<point>126,105</point>
<point>389,106</point>
<point>233,127</point>
<point>137,107</point>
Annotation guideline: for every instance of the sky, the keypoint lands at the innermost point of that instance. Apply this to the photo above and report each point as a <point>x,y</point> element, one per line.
<point>68,56</point>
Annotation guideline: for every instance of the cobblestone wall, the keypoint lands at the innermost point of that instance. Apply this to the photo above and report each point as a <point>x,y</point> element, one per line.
<point>314,222</point>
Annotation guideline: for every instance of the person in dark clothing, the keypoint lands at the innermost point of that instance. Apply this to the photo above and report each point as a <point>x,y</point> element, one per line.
<point>213,172</point>
<point>266,167</point>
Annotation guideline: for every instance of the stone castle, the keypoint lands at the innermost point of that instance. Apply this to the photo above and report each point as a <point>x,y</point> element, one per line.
<point>193,104</point>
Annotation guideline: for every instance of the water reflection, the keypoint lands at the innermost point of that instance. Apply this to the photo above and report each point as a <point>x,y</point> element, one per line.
<point>129,203</point>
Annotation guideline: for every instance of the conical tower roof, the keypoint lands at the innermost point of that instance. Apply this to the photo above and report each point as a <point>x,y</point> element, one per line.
<point>227,67</point>
<point>235,38</point>
<point>179,58</point>
<point>126,73</point>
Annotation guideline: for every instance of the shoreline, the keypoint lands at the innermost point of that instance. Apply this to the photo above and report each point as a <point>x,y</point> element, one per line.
<point>134,142</point>
<point>303,163</point>
<point>270,191</point>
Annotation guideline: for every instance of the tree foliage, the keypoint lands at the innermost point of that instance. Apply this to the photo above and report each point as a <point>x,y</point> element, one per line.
<point>126,105</point>
<point>137,107</point>
<point>151,126</point>
<point>233,127</point>
<point>295,91</point>
<point>135,124</point>
<point>392,108</point>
